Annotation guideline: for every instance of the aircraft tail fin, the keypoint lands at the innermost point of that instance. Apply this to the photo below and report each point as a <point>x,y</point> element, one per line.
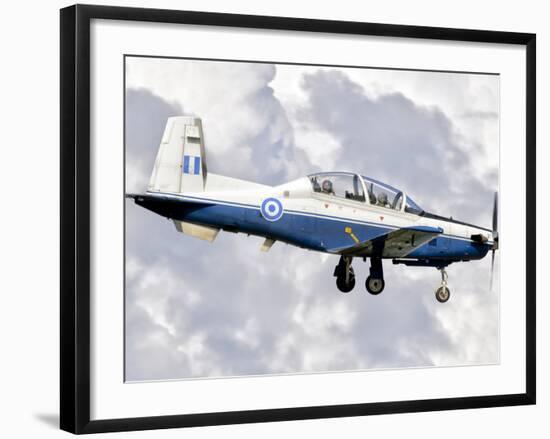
<point>181,161</point>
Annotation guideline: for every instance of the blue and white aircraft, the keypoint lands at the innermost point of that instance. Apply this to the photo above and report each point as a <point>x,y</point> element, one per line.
<point>341,213</point>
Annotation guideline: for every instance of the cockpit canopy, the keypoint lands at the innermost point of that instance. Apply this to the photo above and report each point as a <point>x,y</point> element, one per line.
<point>362,189</point>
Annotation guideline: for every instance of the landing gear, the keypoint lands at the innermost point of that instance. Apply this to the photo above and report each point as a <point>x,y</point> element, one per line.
<point>375,282</point>
<point>374,285</point>
<point>442,294</point>
<point>345,277</point>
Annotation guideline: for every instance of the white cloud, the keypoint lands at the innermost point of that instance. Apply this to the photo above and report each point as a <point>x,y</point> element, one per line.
<point>471,101</point>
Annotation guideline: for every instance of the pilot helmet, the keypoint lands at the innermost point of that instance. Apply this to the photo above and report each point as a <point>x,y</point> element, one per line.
<point>383,198</point>
<point>327,186</point>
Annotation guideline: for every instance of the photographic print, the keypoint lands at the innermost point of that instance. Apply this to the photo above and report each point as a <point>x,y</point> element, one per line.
<point>286,218</point>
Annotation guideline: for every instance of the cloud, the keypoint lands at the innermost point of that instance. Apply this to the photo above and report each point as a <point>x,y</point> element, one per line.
<point>196,309</point>
<point>144,128</point>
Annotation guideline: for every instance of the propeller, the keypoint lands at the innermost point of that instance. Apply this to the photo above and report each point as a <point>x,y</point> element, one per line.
<point>495,236</point>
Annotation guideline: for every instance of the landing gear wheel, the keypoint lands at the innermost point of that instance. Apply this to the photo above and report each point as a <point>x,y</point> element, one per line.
<point>375,285</point>
<point>341,281</point>
<point>442,294</point>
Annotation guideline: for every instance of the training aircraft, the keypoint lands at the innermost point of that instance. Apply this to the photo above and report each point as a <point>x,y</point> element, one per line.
<point>341,213</point>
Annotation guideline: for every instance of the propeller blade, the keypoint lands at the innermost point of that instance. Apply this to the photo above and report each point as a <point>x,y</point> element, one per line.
<point>492,269</point>
<point>495,238</point>
<point>495,222</point>
<point>495,213</point>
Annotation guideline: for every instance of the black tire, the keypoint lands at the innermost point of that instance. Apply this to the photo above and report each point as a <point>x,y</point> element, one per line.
<point>442,294</point>
<point>375,285</point>
<point>341,281</point>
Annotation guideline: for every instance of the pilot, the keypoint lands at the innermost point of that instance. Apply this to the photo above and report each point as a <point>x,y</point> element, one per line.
<point>326,186</point>
<point>383,200</point>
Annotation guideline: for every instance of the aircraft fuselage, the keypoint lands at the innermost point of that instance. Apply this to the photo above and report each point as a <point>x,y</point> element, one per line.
<point>317,223</point>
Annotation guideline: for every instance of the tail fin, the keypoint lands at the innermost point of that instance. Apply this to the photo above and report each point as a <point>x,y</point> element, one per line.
<point>181,162</point>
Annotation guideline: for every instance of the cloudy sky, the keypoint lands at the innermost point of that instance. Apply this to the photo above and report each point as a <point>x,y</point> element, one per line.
<point>199,309</point>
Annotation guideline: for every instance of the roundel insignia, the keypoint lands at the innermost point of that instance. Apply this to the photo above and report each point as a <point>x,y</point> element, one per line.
<point>271,209</point>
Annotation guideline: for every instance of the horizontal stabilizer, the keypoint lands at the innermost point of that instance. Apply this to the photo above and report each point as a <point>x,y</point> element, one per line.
<point>202,232</point>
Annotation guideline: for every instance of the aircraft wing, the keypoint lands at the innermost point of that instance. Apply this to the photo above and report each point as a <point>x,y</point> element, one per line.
<point>395,244</point>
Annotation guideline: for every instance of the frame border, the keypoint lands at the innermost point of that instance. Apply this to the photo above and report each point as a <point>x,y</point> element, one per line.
<point>75,217</point>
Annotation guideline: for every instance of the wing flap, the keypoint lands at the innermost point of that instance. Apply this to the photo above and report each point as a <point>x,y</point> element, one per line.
<point>201,232</point>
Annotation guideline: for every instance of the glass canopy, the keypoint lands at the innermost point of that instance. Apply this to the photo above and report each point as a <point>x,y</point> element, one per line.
<point>349,186</point>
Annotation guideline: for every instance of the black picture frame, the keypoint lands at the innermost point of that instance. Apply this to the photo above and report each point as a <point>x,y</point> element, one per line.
<point>75,217</point>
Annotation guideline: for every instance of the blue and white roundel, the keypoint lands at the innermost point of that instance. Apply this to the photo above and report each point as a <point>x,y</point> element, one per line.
<point>271,209</point>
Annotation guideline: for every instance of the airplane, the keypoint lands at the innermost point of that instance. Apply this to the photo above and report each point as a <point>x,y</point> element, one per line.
<point>341,213</point>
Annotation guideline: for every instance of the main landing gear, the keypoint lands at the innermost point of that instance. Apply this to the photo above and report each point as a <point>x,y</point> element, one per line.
<point>375,281</point>
<point>345,277</point>
<point>442,294</point>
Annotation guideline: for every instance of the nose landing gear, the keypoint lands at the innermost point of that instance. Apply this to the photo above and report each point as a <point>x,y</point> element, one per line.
<point>442,294</point>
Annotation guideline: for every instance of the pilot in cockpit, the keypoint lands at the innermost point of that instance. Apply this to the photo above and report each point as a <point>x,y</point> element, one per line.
<point>383,200</point>
<point>326,187</point>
